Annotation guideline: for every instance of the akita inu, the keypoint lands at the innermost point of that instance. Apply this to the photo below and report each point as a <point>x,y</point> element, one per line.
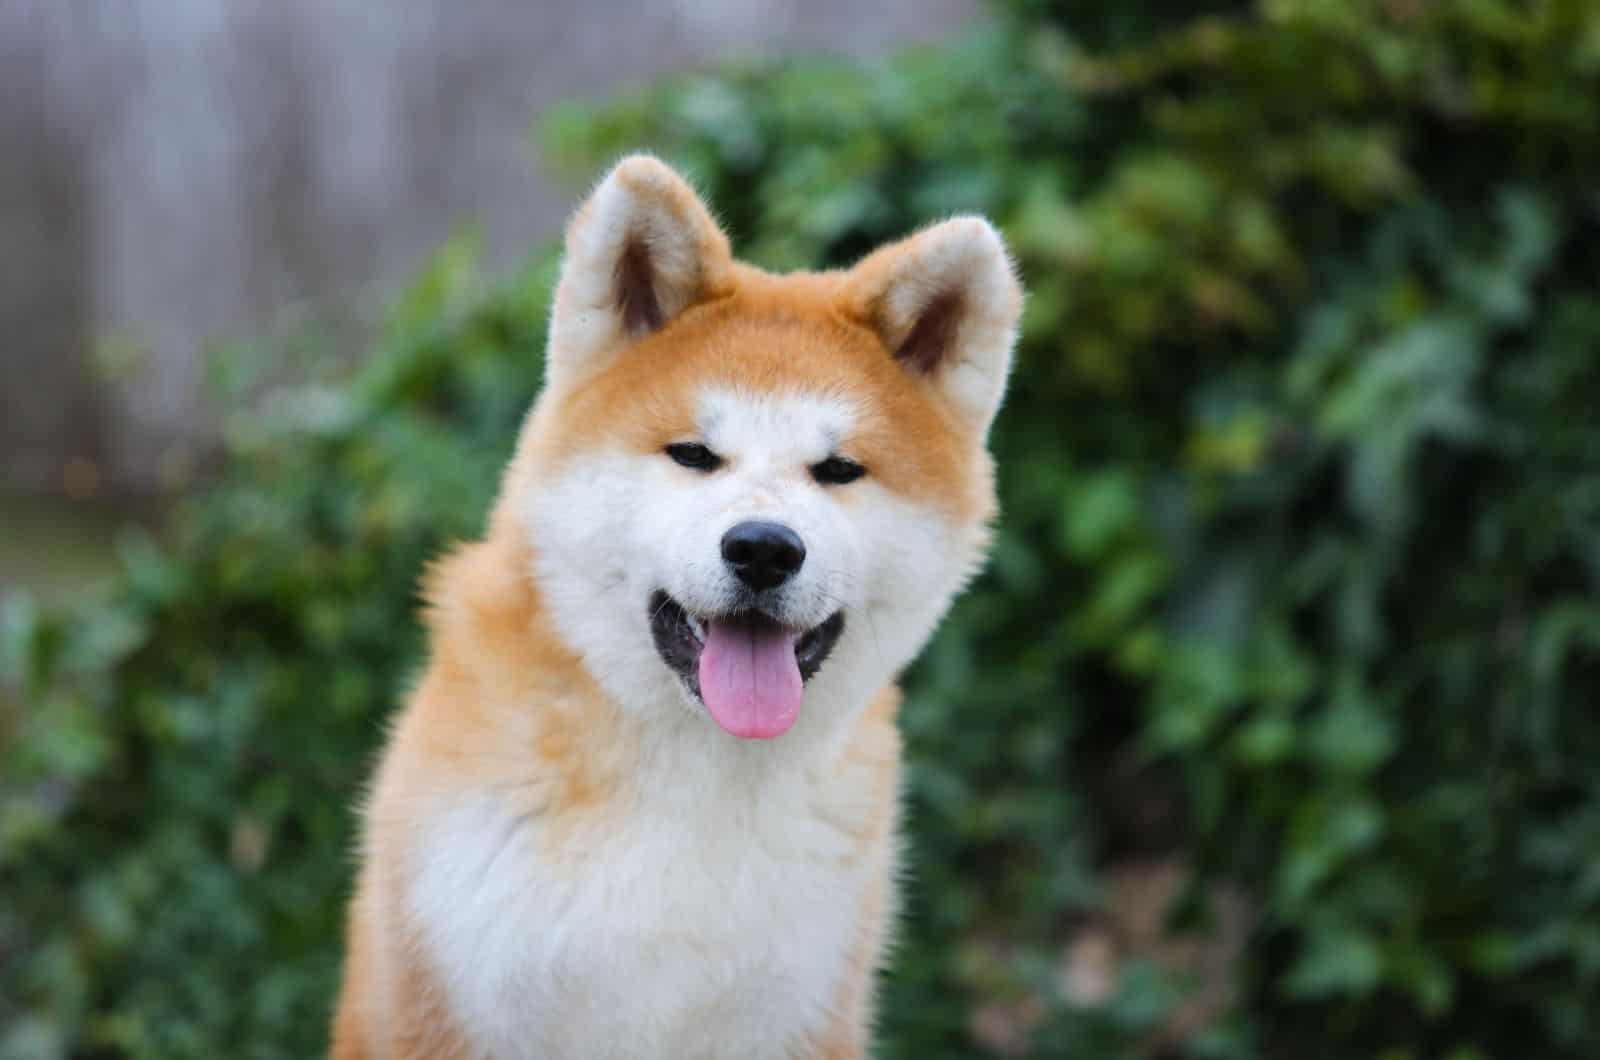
<point>642,802</point>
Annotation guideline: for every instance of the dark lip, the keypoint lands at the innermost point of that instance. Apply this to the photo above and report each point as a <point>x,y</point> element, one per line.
<point>680,649</point>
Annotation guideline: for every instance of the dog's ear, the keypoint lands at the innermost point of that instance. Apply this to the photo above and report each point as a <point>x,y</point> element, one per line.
<point>641,250</point>
<point>945,303</point>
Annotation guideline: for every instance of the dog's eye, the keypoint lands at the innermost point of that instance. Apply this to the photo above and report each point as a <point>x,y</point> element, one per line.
<point>836,471</point>
<point>694,455</point>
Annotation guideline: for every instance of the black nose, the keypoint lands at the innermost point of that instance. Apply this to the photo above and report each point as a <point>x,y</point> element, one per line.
<point>763,555</point>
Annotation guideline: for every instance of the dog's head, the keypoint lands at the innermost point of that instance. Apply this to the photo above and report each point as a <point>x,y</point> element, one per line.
<point>749,493</point>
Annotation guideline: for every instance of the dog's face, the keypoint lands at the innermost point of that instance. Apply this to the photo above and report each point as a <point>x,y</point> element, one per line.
<point>754,495</point>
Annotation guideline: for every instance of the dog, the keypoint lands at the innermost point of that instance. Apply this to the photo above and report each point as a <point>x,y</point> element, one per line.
<point>642,801</point>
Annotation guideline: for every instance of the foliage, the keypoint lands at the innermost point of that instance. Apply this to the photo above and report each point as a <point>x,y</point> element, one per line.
<point>1296,583</point>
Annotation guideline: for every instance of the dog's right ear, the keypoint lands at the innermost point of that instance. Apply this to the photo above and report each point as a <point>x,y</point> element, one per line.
<point>641,250</point>
<point>945,302</point>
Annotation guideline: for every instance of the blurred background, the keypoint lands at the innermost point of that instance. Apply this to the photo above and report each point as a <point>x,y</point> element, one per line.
<point>178,174</point>
<point>1270,731</point>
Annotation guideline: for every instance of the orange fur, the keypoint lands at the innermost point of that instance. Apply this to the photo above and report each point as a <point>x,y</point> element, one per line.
<point>771,333</point>
<point>416,1022</point>
<point>876,747</point>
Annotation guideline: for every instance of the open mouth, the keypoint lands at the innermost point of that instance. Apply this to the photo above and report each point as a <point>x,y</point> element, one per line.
<point>747,668</point>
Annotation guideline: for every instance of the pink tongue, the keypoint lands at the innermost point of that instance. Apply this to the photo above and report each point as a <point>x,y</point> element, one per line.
<point>749,679</point>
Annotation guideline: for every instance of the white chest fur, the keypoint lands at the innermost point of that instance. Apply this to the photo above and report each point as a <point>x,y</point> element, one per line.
<point>715,916</point>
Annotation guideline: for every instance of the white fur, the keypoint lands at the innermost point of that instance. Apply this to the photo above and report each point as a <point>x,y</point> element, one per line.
<point>716,916</point>
<point>613,527</point>
<point>698,925</point>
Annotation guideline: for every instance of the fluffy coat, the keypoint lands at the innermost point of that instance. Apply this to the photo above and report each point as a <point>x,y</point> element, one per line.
<point>563,855</point>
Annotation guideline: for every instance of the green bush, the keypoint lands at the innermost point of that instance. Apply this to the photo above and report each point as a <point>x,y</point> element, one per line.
<point>1297,587</point>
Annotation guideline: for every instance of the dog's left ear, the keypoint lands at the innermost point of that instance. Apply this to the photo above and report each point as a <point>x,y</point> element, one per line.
<point>945,302</point>
<point>641,250</point>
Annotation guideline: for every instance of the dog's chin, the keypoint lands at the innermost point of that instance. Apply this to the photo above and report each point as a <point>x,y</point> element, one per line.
<point>680,638</point>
